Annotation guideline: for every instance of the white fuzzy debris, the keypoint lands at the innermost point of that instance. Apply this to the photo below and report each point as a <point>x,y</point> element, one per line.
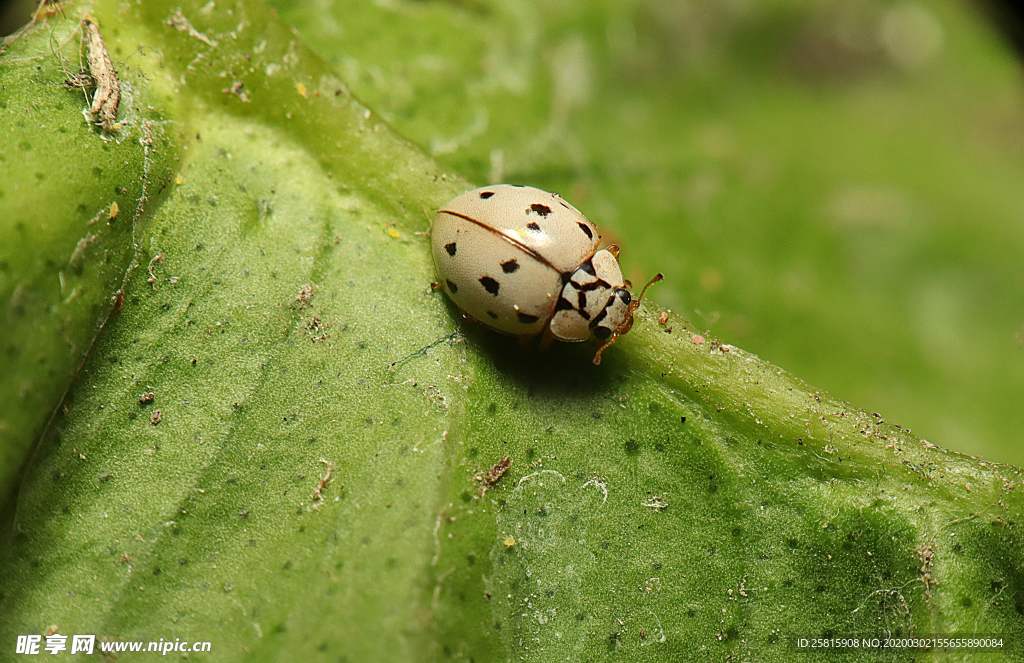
<point>178,21</point>
<point>600,485</point>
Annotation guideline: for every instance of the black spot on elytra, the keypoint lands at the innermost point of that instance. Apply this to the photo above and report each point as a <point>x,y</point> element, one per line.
<point>490,285</point>
<point>494,316</point>
<point>586,230</point>
<point>451,286</point>
<point>537,208</point>
<point>563,305</point>
<point>533,227</point>
<point>450,248</point>
<point>486,194</point>
<point>509,266</point>
<point>526,318</point>
<point>582,298</point>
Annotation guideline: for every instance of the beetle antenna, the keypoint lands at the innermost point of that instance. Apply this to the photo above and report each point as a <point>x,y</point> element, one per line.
<point>597,357</point>
<point>635,304</point>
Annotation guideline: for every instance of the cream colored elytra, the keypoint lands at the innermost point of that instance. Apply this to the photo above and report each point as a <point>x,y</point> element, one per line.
<point>524,262</point>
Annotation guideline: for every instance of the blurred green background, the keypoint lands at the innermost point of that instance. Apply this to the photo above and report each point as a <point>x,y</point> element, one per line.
<point>835,186</point>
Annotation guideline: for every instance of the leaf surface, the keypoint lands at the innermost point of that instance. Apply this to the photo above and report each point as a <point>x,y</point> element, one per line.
<point>305,481</point>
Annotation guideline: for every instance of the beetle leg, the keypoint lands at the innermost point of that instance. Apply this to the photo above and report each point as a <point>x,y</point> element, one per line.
<point>546,339</point>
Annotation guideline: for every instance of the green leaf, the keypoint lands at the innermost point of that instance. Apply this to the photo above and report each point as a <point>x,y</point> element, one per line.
<point>71,219</point>
<point>306,481</point>
<point>834,187</point>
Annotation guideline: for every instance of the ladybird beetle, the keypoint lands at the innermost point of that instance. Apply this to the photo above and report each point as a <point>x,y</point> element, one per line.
<point>525,262</point>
